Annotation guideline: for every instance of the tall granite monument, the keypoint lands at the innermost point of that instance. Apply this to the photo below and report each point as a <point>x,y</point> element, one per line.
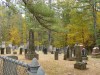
<point>79,63</point>
<point>31,50</point>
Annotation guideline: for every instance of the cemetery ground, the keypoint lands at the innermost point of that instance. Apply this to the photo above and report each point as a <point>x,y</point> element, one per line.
<point>64,67</point>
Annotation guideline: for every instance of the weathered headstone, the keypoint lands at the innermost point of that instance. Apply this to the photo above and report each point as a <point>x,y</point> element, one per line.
<point>25,51</point>
<point>9,68</point>
<point>26,47</point>
<point>53,50</point>
<point>21,50</point>
<point>45,50</point>
<point>2,50</point>
<point>84,54</point>
<point>56,54</point>
<point>31,51</point>
<point>50,48</point>
<point>79,64</point>
<point>8,50</point>
<point>70,55</point>
<point>96,52</point>
<point>66,53</point>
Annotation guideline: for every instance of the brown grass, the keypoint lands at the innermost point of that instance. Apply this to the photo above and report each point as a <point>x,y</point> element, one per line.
<point>65,67</point>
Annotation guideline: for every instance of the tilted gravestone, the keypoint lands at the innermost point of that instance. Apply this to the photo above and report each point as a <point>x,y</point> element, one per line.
<point>31,51</point>
<point>8,67</point>
<point>79,64</point>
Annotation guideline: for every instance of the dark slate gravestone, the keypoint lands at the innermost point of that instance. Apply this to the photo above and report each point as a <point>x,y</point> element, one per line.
<point>45,50</point>
<point>25,51</point>
<point>26,47</point>
<point>21,50</point>
<point>10,68</point>
<point>31,51</point>
<point>2,50</point>
<point>79,64</point>
<point>8,50</point>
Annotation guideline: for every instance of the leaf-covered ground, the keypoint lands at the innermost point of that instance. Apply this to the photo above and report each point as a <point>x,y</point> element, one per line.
<point>65,67</point>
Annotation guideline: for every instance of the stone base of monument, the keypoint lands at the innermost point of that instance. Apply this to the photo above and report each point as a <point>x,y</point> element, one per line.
<point>84,58</point>
<point>80,65</point>
<point>31,56</point>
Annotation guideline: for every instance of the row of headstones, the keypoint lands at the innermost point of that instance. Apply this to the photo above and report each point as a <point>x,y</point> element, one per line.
<point>8,50</point>
<point>68,53</point>
<point>52,51</point>
<point>77,54</point>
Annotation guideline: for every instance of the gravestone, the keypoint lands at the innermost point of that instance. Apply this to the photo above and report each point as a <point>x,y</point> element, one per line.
<point>70,55</point>
<point>21,50</point>
<point>26,47</point>
<point>66,54</point>
<point>31,51</point>
<point>56,54</point>
<point>84,54</point>
<point>96,52</point>
<point>53,50</point>
<point>25,51</point>
<point>50,48</point>
<point>10,68</point>
<point>45,50</point>
<point>8,50</point>
<point>79,64</point>
<point>2,50</point>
